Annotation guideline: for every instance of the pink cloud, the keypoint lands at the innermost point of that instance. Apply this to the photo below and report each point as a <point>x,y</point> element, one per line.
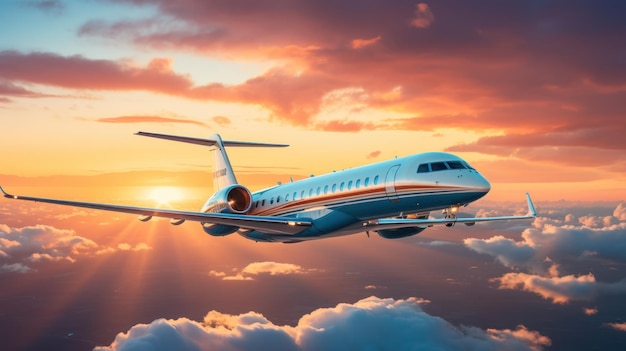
<point>423,16</point>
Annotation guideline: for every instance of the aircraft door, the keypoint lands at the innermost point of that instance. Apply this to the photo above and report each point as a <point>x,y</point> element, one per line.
<point>390,183</point>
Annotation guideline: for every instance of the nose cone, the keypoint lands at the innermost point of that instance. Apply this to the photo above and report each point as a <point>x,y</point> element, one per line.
<point>477,183</point>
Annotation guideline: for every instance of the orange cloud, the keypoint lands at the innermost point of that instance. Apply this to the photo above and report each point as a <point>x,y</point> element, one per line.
<point>617,326</point>
<point>560,290</point>
<point>258,268</point>
<point>148,119</point>
<point>361,43</point>
<point>471,71</point>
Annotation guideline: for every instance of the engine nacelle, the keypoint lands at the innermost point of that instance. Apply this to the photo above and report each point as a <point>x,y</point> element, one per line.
<point>399,233</point>
<point>234,199</point>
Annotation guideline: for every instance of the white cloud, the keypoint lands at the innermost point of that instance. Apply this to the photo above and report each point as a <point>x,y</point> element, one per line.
<point>267,267</point>
<point>508,252</point>
<point>593,237</point>
<point>372,323</point>
<point>22,247</point>
<point>620,212</point>
<point>551,241</point>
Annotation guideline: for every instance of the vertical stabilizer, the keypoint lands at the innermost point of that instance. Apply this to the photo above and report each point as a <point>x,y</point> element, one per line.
<point>223,174</point>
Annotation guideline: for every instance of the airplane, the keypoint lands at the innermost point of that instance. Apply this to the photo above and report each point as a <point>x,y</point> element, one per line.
<point>393,198</point>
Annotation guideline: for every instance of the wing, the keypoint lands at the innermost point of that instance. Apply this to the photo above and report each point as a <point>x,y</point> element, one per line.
<point>265,224</point>
<point>396,223</point>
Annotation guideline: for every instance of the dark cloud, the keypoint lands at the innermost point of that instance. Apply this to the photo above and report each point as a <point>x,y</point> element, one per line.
<point>387,324</point>
<point>78,72</point>
<point>546,78</point>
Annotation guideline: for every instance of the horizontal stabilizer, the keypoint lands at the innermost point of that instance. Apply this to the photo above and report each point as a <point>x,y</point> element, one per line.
<point>208,141</point>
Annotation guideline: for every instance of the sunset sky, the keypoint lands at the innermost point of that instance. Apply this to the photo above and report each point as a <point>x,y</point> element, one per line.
<point>531,93</point>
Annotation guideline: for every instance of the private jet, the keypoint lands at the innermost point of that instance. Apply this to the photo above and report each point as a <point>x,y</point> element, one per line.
<point>392,198</point>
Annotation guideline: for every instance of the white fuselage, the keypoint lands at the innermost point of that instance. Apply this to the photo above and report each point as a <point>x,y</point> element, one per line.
<point>340,201</point>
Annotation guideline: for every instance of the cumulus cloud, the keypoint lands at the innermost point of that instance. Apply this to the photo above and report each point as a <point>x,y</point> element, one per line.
<point>258,268</point>
<point>594,236</point>
<point>508,252</point>
<point>620,212</point>
<point>386,323</point>
<point>22,247</point>
<point>560,290</point>
<point>551,241</point>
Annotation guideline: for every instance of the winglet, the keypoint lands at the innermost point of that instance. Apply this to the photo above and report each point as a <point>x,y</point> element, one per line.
<point>531,208</point>
<point>7,195</point>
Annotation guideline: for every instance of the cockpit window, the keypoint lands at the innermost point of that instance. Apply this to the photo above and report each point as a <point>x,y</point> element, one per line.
<point>468,166</point>
<point>455,165</point>
<point>423,168</point>
<point>438,166</point>
<point>442,166</point>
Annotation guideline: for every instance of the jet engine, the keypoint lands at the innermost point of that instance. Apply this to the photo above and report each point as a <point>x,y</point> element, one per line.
<point>234,199</point>
<point>399,233</point>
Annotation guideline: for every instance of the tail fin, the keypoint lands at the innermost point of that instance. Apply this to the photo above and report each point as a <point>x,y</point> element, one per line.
<point>223,174</point>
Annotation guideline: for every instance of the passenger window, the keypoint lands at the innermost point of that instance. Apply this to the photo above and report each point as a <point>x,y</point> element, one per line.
<point>334,188</point>
<point>325,189</point>
<point>438,166</point>
<point>423,168</point>
<point>310,192</point>
<point>376,180</point>
<point>341,186</point>
<point>367,181</point>
<point>263,202</point>
<point>455,165</point>
<point>302,194</point>
<point>349,185</point>
<point>278,199</point>
<point>271,201</point>
<point>295,195</point>
<point>358,183</point>
<point>319,190</point>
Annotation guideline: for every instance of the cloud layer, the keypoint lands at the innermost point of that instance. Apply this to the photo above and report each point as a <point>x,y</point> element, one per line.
<point>385,324</point>
<point>21,249</point>
<point>552,242</point>
<point>521,74</point>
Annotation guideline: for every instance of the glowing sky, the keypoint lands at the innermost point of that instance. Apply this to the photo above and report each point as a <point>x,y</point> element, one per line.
<point>531,93</point>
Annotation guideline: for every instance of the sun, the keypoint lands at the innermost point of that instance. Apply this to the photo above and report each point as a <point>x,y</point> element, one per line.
<point>165,195</point>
